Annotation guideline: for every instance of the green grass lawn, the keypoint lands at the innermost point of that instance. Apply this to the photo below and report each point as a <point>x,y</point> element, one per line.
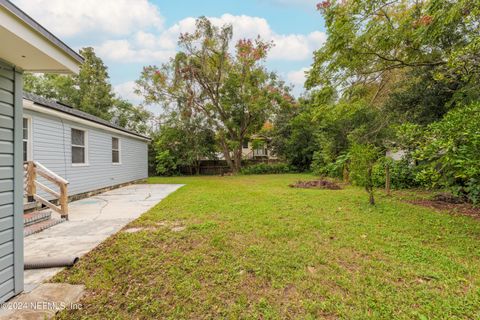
<point>254,248</point>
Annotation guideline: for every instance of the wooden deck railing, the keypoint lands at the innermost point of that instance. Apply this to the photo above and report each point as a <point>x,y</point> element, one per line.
<point>33,170</point>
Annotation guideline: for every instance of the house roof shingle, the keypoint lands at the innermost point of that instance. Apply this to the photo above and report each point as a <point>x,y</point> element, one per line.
<point>76,113</point>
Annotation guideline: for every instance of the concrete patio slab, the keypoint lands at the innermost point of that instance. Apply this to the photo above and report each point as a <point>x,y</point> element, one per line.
<point>91,221</point>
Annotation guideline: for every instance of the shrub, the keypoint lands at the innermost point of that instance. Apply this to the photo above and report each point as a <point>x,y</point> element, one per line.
<point>264,168</point>
<point>402,174</point>
<point>363,157</point>
<point>165,163</point>
<point>334,169</point>
<point>449,153</point>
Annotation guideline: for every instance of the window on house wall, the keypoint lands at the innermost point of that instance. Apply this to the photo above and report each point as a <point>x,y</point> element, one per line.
<point>79,146</point>
<point>245,144</point>
<point>115,150</point>
<point>26,139</point>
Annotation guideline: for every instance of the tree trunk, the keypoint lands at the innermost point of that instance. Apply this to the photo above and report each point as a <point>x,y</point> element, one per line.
<point>226,154</point>
<point>372,198</point>
<point>197,167</point>
<point>346,174</point>
<point>238,159</point>
<point>387,179</point>
<point>369,185</point>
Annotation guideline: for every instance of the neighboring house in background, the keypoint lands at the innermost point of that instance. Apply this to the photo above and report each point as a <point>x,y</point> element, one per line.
<point>25,46</point>
<point>256,148</point>
<point>396,155</point>
<point>89,152</point>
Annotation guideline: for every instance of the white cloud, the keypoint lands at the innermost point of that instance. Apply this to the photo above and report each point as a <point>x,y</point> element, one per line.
<point>306,5</point>
<point>298,77</point>
<point>126,91</point>
<point>67,18</point>
<point>148,47</point>
<point>125,51</point>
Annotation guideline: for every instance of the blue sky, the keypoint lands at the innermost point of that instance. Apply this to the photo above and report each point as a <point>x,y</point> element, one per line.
<point>128,34</point>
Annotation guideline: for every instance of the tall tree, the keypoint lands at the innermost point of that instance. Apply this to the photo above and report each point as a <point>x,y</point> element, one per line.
<point>90,91</point>
<point>369,39</point>
<point>95,93</point>
<point>129,116</point>
<point>234,92</point>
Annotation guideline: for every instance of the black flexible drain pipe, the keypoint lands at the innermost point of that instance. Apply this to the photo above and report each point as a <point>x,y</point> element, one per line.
<point>50,263</point>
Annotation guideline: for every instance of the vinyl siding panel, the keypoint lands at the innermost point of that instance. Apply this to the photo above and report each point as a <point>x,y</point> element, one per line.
<point>11,232</point>
<point>6,274</point>
<point>6,236</point>
<point>51,146</point>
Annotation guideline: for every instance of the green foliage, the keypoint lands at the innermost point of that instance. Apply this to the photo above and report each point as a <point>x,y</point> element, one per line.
<point>129,116</point>
<point>88,91</point>
<point>362,160</point>
<point>449,152</point>
<point>368,38</point>
<point>333,169</point>
<point>166,164</point>
<point>264,168</point>
<point>402,173</point>
<point>293,136</point>
<point>94,90</point>
<point>182,141</point>
<point>403,64</point>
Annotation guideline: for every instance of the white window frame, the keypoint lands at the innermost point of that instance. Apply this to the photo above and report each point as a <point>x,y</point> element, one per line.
<point>29,138</point>
<point>86,163</point>
<point>119,151</point>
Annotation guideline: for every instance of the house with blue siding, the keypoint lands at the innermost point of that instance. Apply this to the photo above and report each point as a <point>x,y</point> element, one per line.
<point>90,153</point>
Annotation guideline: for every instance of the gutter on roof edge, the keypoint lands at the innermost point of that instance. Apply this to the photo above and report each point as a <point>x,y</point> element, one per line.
<point>54,112</point>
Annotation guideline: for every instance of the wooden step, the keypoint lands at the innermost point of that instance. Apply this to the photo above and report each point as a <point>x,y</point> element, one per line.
<point>40,226</point>
<point>29,206</point>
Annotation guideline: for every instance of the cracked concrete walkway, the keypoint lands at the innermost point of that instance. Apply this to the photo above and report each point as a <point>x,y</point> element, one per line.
<point>91,221</point>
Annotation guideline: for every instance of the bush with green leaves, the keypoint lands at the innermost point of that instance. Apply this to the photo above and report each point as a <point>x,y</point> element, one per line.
<point>264,168</point>
<point>362,159</point>
<point>402,173</point>
<point>181,141</point>
<point>449,153</point>
<point>165,163</point>
<point>334,169</point>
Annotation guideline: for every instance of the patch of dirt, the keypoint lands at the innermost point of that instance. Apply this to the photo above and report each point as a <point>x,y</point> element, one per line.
<point>174,226</point>
<point>316,184</point>
<point>449,198</point>
<point>178,228</point>
<point>135,230</point>
<point>455,207</point>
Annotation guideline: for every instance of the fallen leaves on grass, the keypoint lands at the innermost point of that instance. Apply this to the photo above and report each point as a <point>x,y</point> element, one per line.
<point>174,226</point>
<point>455,208</point>
<point>316,184</point>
